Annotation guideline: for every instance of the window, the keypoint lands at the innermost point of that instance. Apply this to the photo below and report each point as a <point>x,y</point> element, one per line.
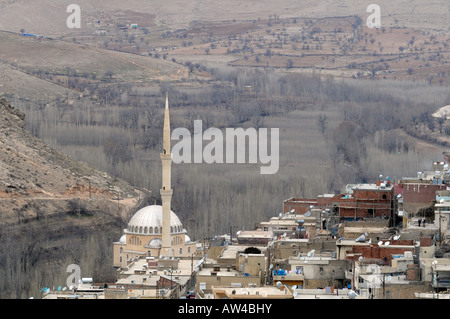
<point>145,230</point>
<point>370,212</point>
<point>150,230</point>
<point>189,249</point>
<point>181,251</point>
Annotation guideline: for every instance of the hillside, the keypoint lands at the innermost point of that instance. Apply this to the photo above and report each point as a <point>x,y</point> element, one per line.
<point>52,208</point>
<point>30,170</point>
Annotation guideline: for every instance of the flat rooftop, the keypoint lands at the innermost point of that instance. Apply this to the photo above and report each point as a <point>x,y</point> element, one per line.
<point>369,187</point>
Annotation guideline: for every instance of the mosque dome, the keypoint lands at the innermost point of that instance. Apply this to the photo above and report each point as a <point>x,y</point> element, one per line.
<point>155,243</point>
<point>148,221</point>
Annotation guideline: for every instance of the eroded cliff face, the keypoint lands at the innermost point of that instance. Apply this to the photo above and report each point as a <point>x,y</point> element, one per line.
<point>54,211</point>
<point>31,171</point>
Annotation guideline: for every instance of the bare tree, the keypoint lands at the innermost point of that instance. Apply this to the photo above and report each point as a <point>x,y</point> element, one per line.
<point>322,122</point>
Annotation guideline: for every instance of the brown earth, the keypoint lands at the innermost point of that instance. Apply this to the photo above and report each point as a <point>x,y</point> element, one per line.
<point>37,181</point>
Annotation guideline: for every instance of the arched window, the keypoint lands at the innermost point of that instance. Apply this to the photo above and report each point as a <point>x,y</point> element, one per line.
<point>171,229</point>
<point>150,230</point>
<point>189,249</point>
<point>145,230</point>
<point>140,230</point>
<point>181,251</point>
<point>156,230</point>
<point>121,249</point>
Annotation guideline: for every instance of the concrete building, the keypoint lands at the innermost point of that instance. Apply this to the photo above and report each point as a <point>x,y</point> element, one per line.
<point>315,271</point>
<point>265,292</point>
<point>366,201</point>
<point>254,237</point>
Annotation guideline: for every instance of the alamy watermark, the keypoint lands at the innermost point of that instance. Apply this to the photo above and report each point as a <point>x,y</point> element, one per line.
<point>374,20</point>
<point>74,19</point>
<point>230,148</point>
<point>74,278</point>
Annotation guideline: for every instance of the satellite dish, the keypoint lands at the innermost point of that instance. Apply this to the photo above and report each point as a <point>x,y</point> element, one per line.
<point>441,200</point>
<point>387,243</point>
<point>292,210</point>
<point>352,294</point>
<point>294,287</point>
<point>271,266</point>
<point>380,243</point>
<point>311,207</point>
<point>389,278</point>
<point>396,237</point>
<point>360,258</point>
<point>278,284</point>
<point>308,213</point>
<point>64,289</point>
<point>284,235</point>
<point>280,214</point>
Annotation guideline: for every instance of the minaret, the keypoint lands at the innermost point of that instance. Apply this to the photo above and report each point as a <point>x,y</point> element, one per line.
<point>166,191</point>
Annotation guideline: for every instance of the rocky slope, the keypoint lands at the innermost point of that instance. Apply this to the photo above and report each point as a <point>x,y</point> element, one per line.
<point>54,211</point>
<point>32,172</point>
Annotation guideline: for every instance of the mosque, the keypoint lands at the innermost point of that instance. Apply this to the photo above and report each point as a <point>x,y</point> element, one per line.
<point>155,230</point>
